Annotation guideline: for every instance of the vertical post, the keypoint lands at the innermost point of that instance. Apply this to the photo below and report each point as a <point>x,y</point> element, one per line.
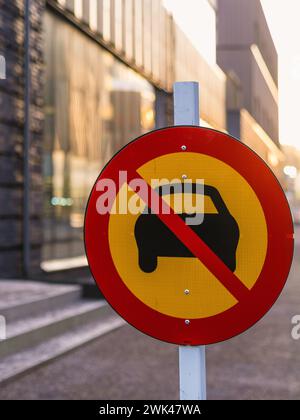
<point>192,369</point>
<point>26,150</point>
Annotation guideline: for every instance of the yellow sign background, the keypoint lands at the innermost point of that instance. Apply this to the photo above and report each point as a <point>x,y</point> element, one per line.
<point>163,290</point>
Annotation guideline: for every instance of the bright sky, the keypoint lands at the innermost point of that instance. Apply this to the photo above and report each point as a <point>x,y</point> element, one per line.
<point>284,20</point>
<point>197,19</point>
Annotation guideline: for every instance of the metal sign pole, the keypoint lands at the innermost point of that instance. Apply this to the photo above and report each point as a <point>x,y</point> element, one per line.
<point>192,369</point>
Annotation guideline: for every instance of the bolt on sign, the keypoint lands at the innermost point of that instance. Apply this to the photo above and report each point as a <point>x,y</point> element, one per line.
<point>189,235</point>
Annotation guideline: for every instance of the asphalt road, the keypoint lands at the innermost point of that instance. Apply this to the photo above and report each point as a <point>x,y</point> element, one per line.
<point>263,363</point>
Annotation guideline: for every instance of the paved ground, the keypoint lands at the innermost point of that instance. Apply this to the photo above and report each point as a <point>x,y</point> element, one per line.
<point>13,292</point>
<point>263,363</point>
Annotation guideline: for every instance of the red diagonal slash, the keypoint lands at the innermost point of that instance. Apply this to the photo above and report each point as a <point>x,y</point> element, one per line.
<point>192,241</point>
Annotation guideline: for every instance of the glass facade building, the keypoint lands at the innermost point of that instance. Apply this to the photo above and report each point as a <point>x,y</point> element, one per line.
<point>110,65</point>
<point>94,105</point>
<point>246,52</point>
<point>102,73</point>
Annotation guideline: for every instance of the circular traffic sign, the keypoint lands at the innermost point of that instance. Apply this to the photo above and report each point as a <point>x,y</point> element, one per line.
<point>189,235</point>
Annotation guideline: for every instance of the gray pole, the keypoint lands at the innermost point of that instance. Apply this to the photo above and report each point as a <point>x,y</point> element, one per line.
<point>192,366</point>
<point>26,156</point>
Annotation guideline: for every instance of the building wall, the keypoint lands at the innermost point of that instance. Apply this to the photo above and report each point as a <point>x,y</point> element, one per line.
<point>242,23</point>
<point>244,127</point>
<point>245,46</point>
<point>142,35</point>
<point>105,105</point>
<point>156,47</point>
<point>264,98</point>
<point>137,31</point>
<point>137,37</point>
<point>258,98</point>
<point>11,136</point>
<point>258,140</point>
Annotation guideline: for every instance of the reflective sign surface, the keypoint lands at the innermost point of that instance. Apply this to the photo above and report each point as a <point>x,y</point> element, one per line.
<point>197,240</point>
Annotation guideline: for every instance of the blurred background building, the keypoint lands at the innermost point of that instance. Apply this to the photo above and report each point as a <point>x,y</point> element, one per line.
<point>246,52</point>
<point>101,74</point>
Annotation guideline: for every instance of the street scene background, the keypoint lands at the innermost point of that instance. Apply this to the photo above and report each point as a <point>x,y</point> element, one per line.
<point>79,79</point>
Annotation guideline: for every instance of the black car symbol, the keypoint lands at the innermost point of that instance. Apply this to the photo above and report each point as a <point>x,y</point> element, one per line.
<point>219,231</point>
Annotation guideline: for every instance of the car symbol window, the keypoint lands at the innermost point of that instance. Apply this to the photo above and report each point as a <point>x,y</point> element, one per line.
<point>219,231</point>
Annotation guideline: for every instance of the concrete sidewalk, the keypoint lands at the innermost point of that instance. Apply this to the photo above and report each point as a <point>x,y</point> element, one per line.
<point>20,292</point>
<point>263,363</point>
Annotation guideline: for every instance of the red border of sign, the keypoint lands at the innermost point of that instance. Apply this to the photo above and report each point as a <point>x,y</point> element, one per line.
<point>280,238</point>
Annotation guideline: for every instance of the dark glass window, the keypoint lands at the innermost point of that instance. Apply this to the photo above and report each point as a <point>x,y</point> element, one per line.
<point>94,105</point>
